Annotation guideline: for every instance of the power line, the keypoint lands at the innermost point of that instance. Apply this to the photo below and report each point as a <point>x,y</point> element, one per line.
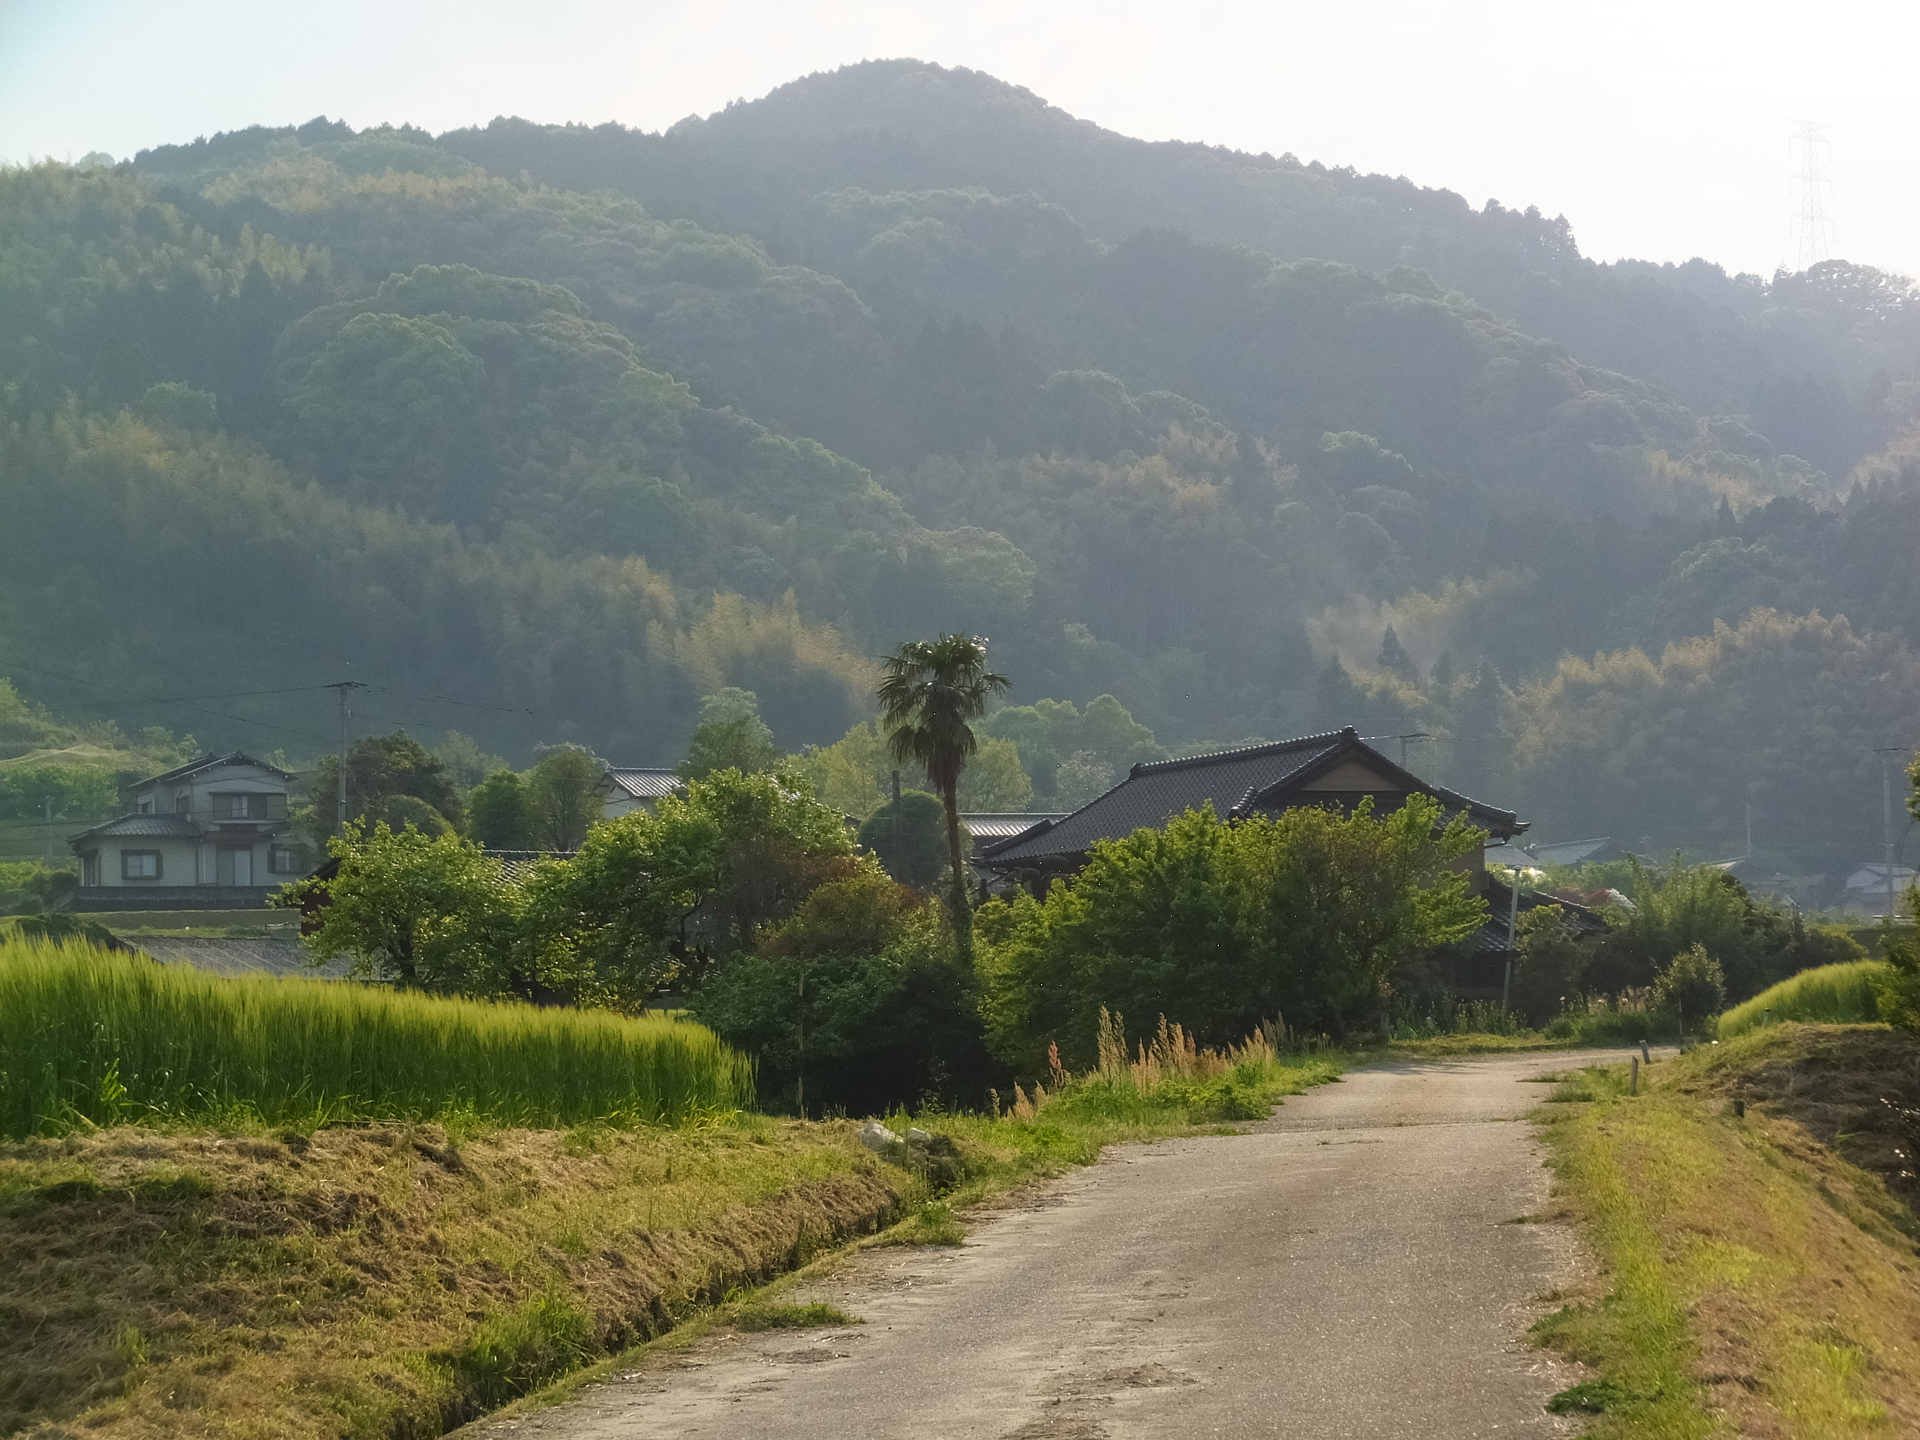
<point>134,698</point>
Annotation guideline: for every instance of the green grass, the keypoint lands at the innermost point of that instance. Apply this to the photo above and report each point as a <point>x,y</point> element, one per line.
<point>1749,1278</point>
<point>769,1316</point>
<point>89,1038</point>
<point>1831,995</point>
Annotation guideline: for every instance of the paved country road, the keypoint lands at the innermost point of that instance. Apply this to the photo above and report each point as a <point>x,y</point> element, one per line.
<point>1347,1270</point>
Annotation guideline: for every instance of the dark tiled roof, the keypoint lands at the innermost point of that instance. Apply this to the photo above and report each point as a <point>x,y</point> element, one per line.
<point>152,827</point>
<point>987,827</point>
<point>1491,938</point>
<point>1235,782</point>
<point>208,762</point>
<point>645,784</point>
<point>222,956</point>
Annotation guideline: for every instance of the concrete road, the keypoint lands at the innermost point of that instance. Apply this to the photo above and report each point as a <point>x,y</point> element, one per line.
<point>1350,1269</point>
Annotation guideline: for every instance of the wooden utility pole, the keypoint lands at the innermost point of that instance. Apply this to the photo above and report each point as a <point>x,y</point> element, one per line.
<point>343,689</point>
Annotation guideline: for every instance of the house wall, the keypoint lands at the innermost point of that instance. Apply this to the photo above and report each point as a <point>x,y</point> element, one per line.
<point>1353,775</point>
<point>204,799</point>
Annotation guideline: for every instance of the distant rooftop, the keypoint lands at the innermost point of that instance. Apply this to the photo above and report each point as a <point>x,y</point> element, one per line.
<point>1250,780</point>
<point>645,783</point>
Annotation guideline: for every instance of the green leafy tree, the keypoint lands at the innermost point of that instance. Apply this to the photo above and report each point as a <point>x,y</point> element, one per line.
<point>1692,985</point>
<point>426,912</point>
<point>614,922</point>
<point>563,796</point>
<point>1395,659</point>
<point>861,994</point>
<point>1082,776</point>
<point>1050,733</point>
<point>910,838</point>
<point>1552,964</point>
<point>384,772</point>
<point>932,692</point>
<point>994,780</point>
<point>1679,906</point>
<point>852,774</point>
<point>500,812</point>
<point>730,736</point>
<point>467,763</point>
<point>667,896</point>
<point>1220,927</point>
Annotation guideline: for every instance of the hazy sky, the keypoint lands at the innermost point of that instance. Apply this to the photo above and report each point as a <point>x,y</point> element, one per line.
<point>1659,127</point>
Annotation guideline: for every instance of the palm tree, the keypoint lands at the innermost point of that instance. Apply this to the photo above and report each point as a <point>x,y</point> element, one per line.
<point>931,690</point>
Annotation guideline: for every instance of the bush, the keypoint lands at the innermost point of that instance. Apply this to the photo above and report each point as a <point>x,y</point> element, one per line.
<point>862,994</point>
<point>1219,926</point>
<point>1693,984</point>
<point>910,838</point>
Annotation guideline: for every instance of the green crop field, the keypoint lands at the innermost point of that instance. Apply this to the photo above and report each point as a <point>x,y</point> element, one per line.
<point>89,1037</point>
<point>1831,994</point>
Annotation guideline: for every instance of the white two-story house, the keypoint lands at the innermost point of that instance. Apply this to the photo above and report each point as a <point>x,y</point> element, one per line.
<point>210,835</point>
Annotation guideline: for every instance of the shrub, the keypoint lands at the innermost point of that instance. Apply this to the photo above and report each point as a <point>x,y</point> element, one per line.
<point>1692,984</point>
<point>1217,926</point>
<point>861,995</point>
<point>910,838</point>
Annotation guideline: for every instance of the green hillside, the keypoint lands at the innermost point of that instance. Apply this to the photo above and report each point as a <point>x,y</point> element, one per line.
<point>552,432</point>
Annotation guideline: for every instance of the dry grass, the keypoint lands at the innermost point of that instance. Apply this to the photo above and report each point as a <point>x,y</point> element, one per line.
<point>376,1281</point>
<point>1758,1283</point>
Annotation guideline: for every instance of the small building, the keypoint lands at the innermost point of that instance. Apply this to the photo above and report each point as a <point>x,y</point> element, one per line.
<point>1874,889</point>
<point>210,835</point>
<point>1336,769</point>
<point>990,828</point>
<point>622,791</point>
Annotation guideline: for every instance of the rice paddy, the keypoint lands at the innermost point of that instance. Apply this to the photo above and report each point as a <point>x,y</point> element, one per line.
<point>91,1038</point>
<point>1831,994</point>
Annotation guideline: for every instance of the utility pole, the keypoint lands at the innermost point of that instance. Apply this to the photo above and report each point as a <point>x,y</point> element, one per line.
<point>47,803</point>
<point>1403,739</point>
<point>343,689</point>
<point>1886,754</point>
<point>1513,930</point>
<point>1812,223</point>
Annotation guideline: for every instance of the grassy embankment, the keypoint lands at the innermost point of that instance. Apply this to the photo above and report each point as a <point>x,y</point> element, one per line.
<point>1831,995</point>
<point>1760,1273</point>
<point>304,1209</point>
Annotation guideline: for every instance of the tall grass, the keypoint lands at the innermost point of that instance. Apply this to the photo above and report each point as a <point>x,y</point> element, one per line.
<point>1623,1019</point>
<point>92,1037</point>
<point>1831,994</point>
<point>1170,1072</point>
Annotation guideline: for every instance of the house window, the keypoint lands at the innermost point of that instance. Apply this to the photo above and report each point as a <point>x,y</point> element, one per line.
<point>143,806</point>
<point>90,868</point>
<point>183,802</point>
<point>239,807</point>
<point>139,864</point>
<point>283,860</point>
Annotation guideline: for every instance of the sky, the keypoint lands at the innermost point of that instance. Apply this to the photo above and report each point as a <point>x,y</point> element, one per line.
<point>1661,130</point>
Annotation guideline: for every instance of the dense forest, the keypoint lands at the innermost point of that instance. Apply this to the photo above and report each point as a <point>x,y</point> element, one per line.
<point>552,432</point>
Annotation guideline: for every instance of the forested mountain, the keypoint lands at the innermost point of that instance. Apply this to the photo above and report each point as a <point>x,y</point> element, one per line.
<point>586,424</point>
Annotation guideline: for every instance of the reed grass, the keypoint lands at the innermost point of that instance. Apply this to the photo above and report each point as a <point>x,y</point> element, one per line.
<point>1169,1077</point>
<point>92,1038</point>
<point>1831,994</point>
